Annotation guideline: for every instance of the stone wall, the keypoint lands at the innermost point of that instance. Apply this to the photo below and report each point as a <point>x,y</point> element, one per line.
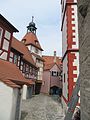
<point>84,44</point>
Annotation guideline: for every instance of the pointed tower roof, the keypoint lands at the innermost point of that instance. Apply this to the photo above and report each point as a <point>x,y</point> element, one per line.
<point>30,38</point>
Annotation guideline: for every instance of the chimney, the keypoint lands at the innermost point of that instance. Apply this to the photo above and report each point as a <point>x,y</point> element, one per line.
<point>54,56</point>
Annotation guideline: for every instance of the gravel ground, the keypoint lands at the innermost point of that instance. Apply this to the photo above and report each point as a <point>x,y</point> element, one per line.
<point>41,107</point>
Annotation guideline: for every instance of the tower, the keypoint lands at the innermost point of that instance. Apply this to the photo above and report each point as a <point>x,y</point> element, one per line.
<point>31,41</point>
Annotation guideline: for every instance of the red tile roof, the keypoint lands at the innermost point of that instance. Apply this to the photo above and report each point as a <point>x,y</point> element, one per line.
<point>48,66</point>
<point>19,46</point>
<point>49,62</point>
<point>31,39</point>
<point>11,75</point>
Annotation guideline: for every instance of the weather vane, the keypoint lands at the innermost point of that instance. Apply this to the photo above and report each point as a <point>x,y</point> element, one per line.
<point>32,18</point>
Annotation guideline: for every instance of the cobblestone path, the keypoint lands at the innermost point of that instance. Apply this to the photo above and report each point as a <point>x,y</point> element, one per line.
<point>41,107</point>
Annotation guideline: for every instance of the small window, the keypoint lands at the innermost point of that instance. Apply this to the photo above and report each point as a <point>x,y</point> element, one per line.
<point>36,42</point>
<point>64,77</point>
<point>24,68</point>
<point>1,32</point>
<point>7,35</point>
<point>54,73</point>
<point>15,59</point>
<point>36,50</point>
<point>6,45</point>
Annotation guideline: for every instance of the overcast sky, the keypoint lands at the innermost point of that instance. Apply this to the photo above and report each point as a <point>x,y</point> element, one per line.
<point>46,16</point>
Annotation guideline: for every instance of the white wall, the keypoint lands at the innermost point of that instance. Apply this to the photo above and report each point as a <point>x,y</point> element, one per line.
<point>14,103</point>
<point>5,102</point>
<point>8,101</point>
<point>24,93</point>
<point>32,49</point>
<point>65,84</point>
<point>64,36</point>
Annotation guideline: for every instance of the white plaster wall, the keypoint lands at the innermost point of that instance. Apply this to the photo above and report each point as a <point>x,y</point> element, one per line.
<point>5,102</point>
<point>24,93</point>
<point>14,102</point>
<point>4,56</point>
<point>65,84</point>
<point>40,53</point>
<point>32,49</point>
<point>64,36</point>
<point>75,16</point>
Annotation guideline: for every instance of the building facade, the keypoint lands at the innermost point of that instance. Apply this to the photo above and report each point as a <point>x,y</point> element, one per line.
<point>11,79</point>
<point>20,55</point>
<point>52,82</point>
<point>31,41</point>
<point>70,48</point>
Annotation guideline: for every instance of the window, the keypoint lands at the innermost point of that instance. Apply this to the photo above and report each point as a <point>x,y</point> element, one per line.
<point>24,68</point>
<point>6,45</point>
<point>54,73</point>
<point>36,50</point>
<point>21,66</point>
<point>1,32</point>
<point>27,68</point>
<point>64,77</point>
<point>7,35</point>
<point>36,42</point>
<point>15,59</point>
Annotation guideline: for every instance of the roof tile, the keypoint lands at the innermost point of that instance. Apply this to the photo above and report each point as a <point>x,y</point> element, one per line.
<point>19,46</point>
<point>31,38</point>
<point>10,74</point>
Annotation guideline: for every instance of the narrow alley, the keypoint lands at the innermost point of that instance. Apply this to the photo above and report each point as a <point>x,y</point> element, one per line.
<point>41,107</point>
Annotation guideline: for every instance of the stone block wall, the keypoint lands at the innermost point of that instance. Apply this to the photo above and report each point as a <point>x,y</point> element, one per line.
<point>84,47</point>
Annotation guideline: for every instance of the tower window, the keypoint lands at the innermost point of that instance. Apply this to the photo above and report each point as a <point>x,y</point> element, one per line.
<point>36,50</point>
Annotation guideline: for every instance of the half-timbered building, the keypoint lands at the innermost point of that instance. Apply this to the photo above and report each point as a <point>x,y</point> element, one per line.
<point>31,41</point>
<point>21,56</point>
<point>52,79</point>
<point>11,79</point>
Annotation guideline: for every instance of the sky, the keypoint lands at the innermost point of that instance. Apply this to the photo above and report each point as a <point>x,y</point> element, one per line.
<point>47,16</point>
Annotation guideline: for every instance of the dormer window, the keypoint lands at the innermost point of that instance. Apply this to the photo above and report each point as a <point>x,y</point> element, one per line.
<point>36,42</point>
<point>23,40</point>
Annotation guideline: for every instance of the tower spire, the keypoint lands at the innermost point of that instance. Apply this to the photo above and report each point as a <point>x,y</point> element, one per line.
<point>32,26</point>
<point>32,18</point>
